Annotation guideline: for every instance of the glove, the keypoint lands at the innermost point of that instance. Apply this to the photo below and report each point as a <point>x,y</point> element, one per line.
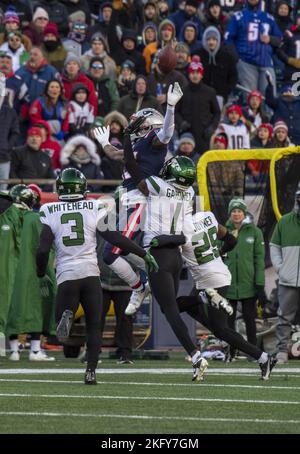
<point>154,242</point>
<point>295,62</point>
<point>44,282</point>
<point>184,126</point>
<point>174,94</point>
<point>151,264</point>
<point>102,135</point>
<point>261,295</point>
<point>269,78</point>
<point>134,125</point>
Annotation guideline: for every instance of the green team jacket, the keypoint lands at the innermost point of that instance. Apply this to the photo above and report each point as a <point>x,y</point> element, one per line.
<point>30,311</point>
<point>246,262</point>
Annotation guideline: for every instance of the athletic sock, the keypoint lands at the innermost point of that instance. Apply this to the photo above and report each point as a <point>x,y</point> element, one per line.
<point>263,358</point>
<point>35,346</point>
<point>14,345</point>
<point>195,356</point>
<point>125,272</point>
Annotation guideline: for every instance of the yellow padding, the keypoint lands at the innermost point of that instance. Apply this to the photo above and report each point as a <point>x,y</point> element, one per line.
<point>80,311</point>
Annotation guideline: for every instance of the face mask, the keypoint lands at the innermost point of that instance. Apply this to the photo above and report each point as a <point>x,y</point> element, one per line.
<point>51,45</point>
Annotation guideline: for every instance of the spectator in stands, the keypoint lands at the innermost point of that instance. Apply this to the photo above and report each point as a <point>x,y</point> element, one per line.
<point>288,50</point>
<point>150,13</point>
<point>149,35</point>
<point>14,47</point>
<point>286,107</point>
<point>99,49</point>
<point>49,145</point>
<point>9,133</point>
<point>220,70</point>
<point>128,51</point>
<point>252,34</point>
<point>189,13</point>
<point>281,138</point>
<point>57,12</point>
<point>235,128</point>
<point>22,8</point>
<point>29,161</point>
<point>183,58</point>
<point>189,118</point>
<point>214,16</point>
<point>189,36</point>
<point>106,25</point>
<point>166,35</point>
<point>80,152</point>
<point>246,263</point>
<point>51,107</point>
<point>105,88</point>
<point>117,123</point>
<point>80,111</point>
<point>125,82</point>
<point>12,24</point>
<point>163,9</point>
<point>35,30</point>
<point>16,89</point>
<point>282,15</point>
<point>72,75</point>
<point>254,112</point>
<point>75,7</point>
<point>36,73</point>
<point>285,252</point>
<point>186,147</point>
<point>77,42</point>
<point>138,99</point>
<point>53,48</point>
<point>260,168</point>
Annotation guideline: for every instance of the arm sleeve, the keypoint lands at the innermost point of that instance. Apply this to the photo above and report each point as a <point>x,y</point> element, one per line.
<point>43,251</point>
<point>117,239</point>
<point>165,134</point>
<point>276,256</point>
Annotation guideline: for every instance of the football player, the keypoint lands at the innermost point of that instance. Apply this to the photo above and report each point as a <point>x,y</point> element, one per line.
<point>149,134</point>
<point>71,224</point>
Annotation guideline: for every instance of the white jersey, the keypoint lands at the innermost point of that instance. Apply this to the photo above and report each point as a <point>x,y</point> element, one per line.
<point>80,115</point>
<point>201,253</point>
<point>167,209</point>
<point>238,136</point>
<point>74,226</point>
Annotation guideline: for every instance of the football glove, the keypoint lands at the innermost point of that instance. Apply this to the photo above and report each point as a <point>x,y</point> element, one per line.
<point>151,264</point>
<point>174,94</point>
<point>44,282</point>
<point>102,135</point>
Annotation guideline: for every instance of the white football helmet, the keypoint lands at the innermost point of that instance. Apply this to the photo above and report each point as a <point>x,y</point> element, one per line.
<point>153,120</point>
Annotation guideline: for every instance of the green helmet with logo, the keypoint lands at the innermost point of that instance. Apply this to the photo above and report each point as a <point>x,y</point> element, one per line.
<point>179,171</point>
<point>20,193</point>
<point>71,185</point>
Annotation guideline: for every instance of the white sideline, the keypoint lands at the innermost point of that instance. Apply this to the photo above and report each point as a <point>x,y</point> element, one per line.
<point>147,417</point>
<point>133,383</point>
<point>186,370</point>
<point>176,399</point>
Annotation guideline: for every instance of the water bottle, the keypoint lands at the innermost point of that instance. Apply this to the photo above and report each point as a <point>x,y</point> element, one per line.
<point>158,90</point>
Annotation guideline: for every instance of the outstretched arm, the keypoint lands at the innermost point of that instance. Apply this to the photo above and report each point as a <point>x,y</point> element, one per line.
<point>165,134</point>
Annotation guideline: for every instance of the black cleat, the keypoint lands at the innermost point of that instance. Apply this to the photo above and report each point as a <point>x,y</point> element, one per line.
<point>124,360</point>
<point>90,377</point>
<point>266,368</point>
<point>64,326</point>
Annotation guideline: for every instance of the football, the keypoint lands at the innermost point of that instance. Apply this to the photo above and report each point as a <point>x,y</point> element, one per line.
<point>167,59</point>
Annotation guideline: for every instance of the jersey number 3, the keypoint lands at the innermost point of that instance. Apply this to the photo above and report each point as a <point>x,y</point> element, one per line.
<point>77,228</point>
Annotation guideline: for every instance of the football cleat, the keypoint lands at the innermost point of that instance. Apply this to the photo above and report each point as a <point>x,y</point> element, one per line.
<point>124,360</point>
<point>14,356</point>
<point>218,301</point>
<point>90,377</point>
<point>40,356</point>
<point>266,368</point>
<point>199,367</point>
<point>64,326</point>
<point>136,299</point>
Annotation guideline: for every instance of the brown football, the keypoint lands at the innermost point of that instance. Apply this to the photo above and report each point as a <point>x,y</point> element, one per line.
<point>167,59</point>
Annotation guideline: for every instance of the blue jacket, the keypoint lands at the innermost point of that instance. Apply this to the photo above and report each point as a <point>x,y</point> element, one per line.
<point>243,32</point>
<point>37,80</point>
<point>180,17</point>
<point>288,111</point>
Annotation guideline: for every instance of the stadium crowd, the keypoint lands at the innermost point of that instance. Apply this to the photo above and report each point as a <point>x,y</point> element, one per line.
<point>69,66</point>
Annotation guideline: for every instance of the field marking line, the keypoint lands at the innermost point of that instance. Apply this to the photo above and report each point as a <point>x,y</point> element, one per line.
<point>176,399</point>
<point>189,385</point>
<point>147,417</point>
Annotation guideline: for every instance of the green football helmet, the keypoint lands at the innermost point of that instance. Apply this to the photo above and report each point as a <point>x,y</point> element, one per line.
<point>20,193</point>
<point>71,185</point>
<point>179,171</point>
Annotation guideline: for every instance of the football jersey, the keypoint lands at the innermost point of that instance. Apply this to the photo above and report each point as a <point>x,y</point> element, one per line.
<point>150,158</point>
<point>238,135</point>
<point>74,225</point>
<point>201,253</point>
<point>167,210</point>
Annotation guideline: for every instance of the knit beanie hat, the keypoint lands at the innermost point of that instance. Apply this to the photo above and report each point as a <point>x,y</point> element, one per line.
<point>268,127</point>
<point>238,203</point>
<point>40,12</point>
<point>51,28</point>
<point>72,57</point>
<point>187,137</point>
<point>280,124</point>
<point>11,15</point>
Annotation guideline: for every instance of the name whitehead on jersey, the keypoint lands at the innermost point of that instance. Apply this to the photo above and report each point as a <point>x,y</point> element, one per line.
<point>69,206</point>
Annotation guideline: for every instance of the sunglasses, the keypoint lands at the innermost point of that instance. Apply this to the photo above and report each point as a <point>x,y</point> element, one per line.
<point>79,27</point>
<point>97,66</point>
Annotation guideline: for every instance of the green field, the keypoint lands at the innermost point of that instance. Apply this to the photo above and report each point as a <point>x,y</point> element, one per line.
<point>148,397</point>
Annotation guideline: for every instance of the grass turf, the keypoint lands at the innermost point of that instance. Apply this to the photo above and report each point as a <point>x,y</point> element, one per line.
<point>147,403</point>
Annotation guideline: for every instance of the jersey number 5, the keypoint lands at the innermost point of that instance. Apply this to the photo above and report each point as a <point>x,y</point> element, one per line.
<point>75,228</point>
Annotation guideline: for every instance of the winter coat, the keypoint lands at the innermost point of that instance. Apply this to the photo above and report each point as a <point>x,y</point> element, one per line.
<point>285,250</point>
<point>194,45</point>
<point>202,122</point>
<point>9,131</point>
<point>110,67</point>
<point>134,55</point>
<point>151,49</point>
<point>51,146</point>
<point>220,23</point>
<point>24,39</point>
<point>288,111</point>
<point>33,34</point>
<point>16,91</point>
<point>58,13</point>
<point>246,262</point>
<point>107,94</point>
<point>19,57</point>
<point>180,17</point>
<point>165,80</point>
<point>55,116</point>
<point>81,78</point>
<point>130,104</point>
<point>57,57</point>
<point>220,70</point>
<point>29,163</point>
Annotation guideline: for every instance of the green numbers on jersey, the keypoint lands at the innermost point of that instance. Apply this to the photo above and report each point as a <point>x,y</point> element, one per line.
<point>76,228</point>
<point>209,244</point>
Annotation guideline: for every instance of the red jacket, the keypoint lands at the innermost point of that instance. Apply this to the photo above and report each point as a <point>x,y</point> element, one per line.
<point>51,146</point>
<point>81,78</point>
